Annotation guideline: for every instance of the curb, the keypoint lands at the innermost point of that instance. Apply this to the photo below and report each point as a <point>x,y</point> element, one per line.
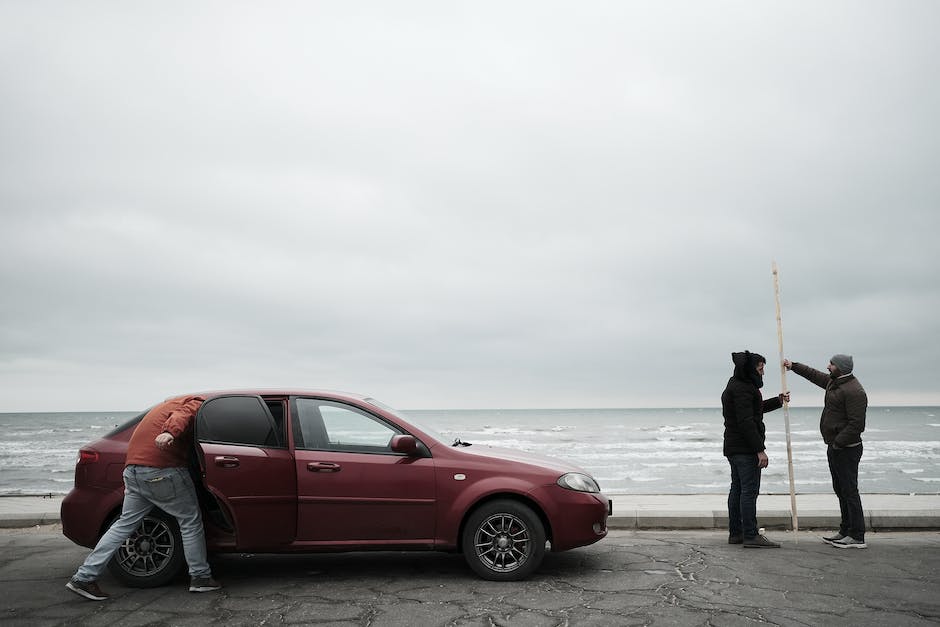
<point>9,522</point>
<point>675,520</point>
<point>877,520</point>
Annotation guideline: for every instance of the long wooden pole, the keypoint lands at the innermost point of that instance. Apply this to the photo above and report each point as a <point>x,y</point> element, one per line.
<point>786,404</point>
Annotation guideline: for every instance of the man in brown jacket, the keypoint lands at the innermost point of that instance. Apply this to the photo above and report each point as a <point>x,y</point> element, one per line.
<point>156,475</point>
<point>841,424</point>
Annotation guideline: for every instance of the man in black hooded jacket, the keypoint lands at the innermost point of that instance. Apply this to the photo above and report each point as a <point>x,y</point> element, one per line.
<point>743,409</point>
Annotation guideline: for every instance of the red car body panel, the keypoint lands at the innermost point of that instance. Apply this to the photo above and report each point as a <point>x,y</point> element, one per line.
<point>374,498</point>
<point>285,497</point>
<point>258,489</point>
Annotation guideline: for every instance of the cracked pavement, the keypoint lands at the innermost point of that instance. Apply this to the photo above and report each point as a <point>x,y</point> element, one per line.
<point>630,578</point>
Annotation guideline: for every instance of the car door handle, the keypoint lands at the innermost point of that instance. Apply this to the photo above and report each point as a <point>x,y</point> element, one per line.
<point>323,467</point>
<point>227,462</point>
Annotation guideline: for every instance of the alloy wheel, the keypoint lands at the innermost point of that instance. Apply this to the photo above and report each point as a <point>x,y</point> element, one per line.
<point>503,542</point>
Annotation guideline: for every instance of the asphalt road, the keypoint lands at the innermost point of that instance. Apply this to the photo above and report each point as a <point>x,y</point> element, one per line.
<point>630,578</point>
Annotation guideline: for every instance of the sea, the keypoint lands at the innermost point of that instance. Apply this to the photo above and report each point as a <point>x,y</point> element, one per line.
<point>629,451</point>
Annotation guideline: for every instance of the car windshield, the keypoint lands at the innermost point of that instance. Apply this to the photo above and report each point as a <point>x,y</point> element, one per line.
<point>400,414</point>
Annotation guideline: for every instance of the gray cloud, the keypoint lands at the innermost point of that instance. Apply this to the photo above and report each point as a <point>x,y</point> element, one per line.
<point>512,205</point>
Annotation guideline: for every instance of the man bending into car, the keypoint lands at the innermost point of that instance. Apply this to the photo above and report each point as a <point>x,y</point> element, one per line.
<point>155,475</point>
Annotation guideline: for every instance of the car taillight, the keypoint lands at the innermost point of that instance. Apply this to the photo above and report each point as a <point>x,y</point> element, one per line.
<point>87,457</point>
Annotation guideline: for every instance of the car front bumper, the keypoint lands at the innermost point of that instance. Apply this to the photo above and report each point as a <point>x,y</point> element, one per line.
<point>576,518</point>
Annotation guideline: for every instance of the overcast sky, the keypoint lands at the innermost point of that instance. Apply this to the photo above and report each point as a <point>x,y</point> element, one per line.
<point>465,204</point>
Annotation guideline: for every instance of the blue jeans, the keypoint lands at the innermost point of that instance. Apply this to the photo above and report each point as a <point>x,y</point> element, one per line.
<point>843,466</point>
<point>742,498</point>
<point>170,489</point>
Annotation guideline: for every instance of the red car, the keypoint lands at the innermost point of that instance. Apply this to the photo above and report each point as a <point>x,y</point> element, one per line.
<point>293,471</point>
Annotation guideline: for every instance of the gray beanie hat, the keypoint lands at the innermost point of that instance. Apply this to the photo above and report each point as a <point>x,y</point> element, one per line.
<point>842,362</point>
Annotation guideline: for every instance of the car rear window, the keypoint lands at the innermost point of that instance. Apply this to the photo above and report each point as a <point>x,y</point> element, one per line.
<point>133,422</point>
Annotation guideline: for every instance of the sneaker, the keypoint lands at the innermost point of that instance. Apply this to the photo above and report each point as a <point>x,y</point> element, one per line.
<point>833,538</point>
<point>738,539</point>
<point>87,589</point>
<point>849,542</point>
<point>759,542</point>
<point>203,584</point>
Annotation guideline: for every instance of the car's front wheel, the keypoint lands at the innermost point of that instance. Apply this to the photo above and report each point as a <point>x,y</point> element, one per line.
<point>152,556</point>
<point>504,541</point>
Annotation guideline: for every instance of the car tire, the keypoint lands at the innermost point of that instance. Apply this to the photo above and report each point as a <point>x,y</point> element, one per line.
<point>152,556</point>
<point>504,540</point>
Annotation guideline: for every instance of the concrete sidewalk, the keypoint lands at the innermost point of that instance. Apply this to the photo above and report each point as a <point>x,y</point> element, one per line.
<point>652,511</point>
<point>682,578</point>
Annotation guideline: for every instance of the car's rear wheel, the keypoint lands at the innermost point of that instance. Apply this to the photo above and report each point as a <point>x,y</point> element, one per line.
<point>504,541</point>
<point>152,556</point>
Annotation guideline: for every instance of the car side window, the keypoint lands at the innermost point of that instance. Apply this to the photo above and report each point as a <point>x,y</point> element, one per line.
<point>244,420</point>
<point>330,426</point>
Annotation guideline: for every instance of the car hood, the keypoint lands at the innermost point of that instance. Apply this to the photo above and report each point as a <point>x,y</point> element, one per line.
<point>533,459</point>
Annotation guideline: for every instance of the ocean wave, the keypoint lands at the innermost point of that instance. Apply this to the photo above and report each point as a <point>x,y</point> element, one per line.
<point>492,429</point>
<point>667,428</point>
<point>688,436</point>
<point>30,434</point>
<point>645,451</point>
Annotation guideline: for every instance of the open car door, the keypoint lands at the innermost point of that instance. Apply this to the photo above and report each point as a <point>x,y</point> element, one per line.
<point>249,469</point>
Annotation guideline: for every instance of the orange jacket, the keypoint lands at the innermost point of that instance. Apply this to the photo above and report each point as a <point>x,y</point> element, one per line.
<point>174,416</point>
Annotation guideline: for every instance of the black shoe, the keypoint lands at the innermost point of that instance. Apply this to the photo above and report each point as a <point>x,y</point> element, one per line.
<point>738,539</point>
<point>759,542</point>
<point>203,584</point>
<point>87,589</point>
<point>833,538</point>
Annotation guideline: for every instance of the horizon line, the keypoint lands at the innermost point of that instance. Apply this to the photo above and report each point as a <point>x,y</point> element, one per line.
<point>609,408</point>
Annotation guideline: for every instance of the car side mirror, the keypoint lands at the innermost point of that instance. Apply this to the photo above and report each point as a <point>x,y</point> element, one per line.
<point>406,444</point>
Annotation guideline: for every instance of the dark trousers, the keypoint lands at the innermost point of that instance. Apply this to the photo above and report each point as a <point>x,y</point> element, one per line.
<point>843,466</point>
<point>742,498</point>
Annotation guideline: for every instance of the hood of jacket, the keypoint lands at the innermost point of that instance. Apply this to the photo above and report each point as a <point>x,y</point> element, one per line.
<point>745,367</point>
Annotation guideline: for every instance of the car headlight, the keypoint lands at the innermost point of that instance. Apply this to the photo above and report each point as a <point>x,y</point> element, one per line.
<point>579,482</point>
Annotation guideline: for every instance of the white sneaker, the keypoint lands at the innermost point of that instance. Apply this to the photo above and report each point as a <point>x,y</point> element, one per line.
<point>848,542</point>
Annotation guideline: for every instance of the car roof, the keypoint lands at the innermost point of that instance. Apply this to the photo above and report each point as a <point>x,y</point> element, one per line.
<point>335,394</point>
